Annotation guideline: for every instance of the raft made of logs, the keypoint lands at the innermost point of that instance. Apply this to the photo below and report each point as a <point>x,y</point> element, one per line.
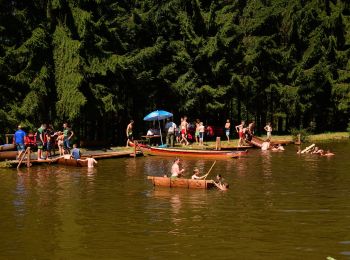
<point>181,183</point>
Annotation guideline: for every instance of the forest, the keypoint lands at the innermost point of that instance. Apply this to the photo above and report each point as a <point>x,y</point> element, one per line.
<point>97,64</point>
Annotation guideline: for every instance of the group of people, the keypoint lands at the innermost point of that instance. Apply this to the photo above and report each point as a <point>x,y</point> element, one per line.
<point>313,149</point>
<point>45,139</point>
<point>244,132</point>
<point>185,131</point>
<point>176,172</point>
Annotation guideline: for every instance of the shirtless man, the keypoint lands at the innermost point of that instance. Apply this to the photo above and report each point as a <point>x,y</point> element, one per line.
<point>129,132</point>
<point>251,127</point>
<point>175,169</point>
<point>239,130</point>
<point>201,133</point>
<point>60,140</point>
<point>227,129</point>
<point>183,128</point>
<point>268,129</point>
<point>197,131</point>
<point>90,161</point>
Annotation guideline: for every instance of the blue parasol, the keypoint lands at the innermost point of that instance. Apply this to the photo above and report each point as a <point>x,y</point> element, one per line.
<point>158,115</point>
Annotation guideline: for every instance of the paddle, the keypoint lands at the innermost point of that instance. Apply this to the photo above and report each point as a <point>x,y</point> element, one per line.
<point>209,171</point>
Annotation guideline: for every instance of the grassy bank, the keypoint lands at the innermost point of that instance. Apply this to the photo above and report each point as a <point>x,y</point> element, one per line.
<point>311,138</point>
<point>324,137</point>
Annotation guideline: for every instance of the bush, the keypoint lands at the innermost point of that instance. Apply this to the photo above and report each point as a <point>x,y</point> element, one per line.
<point>304,134</point>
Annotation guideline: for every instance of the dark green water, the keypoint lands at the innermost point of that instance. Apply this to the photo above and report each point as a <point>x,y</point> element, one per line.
<point>280,206</point>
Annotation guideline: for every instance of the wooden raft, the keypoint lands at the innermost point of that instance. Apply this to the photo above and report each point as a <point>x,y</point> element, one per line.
<point>181,183</point>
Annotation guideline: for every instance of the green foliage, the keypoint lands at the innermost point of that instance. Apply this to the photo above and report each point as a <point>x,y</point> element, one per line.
<point>103,62</point>
<point>68,77</point>
<point>304,134</point>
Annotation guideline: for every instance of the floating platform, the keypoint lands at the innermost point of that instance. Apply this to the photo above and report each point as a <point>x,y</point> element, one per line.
<point>256,141</point>
<point>68,162</point>
<point>181,183</point>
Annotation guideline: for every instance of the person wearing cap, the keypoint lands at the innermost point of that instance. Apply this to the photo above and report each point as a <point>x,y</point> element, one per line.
<point>19,140</point>
<point>175,169</point>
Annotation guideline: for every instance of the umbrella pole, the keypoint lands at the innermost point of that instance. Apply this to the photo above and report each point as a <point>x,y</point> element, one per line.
<point>160,131</point>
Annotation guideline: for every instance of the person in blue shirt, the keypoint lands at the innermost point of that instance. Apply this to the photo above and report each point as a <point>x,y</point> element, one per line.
<point>19,140</point>
<point>75,152</point>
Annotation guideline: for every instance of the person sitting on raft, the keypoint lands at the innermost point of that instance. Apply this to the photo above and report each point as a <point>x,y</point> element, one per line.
<point>196,176</point>
<point>75,152</point>
<point>175,169</point>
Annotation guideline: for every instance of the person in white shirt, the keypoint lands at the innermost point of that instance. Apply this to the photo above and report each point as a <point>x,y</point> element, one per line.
<point>170,127</point>
<point>196,176</point>
<point>150,132</point>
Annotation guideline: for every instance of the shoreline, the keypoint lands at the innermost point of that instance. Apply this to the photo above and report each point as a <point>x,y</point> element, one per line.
<point>321,138</point>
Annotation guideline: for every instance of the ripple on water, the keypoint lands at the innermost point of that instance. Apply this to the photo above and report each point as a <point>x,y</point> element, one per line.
<point>279,204</point>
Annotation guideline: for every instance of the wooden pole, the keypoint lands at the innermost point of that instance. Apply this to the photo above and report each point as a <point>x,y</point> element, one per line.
<point>218,143</point>
<point>22,157</point>
<point>28,157</point>
<point>209,170</point>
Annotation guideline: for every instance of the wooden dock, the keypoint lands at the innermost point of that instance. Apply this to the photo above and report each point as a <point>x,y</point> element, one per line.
<point>55,160</point>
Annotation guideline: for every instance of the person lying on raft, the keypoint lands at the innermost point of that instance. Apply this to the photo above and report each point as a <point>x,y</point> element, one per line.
<point>175,169</point>
<point>196,176</point>
<point>220,184</point>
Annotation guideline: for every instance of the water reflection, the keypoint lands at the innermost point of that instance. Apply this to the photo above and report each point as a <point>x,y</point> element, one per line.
<point>266,163</point>
<point>61,213</point>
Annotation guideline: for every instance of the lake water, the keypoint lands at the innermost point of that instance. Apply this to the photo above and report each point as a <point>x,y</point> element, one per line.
<point>280,206</point>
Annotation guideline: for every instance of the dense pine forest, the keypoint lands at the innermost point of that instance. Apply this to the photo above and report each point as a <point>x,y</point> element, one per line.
<point>97,64</point>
